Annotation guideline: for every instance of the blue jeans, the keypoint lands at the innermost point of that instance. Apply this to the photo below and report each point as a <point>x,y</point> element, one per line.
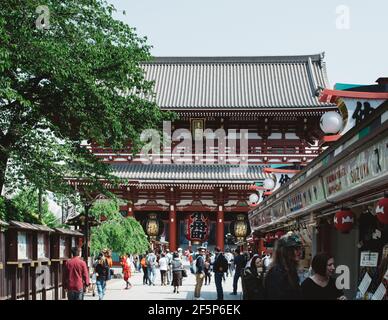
<point>218,280</point>
<point>75,295</point>
<point>101,286</point>
<point>151,275</point>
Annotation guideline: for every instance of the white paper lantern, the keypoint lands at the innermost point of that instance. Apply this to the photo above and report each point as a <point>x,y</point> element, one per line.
<point>254,198</point>
<point>331,122</point>
<point>269,184</point>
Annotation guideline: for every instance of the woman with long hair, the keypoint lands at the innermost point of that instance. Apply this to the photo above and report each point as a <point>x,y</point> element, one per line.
<point>282,281</point>
<point>252,280</point>
<point>321,285</point>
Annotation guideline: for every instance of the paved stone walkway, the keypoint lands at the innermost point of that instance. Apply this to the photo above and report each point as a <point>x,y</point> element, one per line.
<point>115,289</point>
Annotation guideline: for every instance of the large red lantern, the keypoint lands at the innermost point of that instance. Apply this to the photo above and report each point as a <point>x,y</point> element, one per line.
<point>382,210</point>
<point>197,227</point>
<point>344,220</point>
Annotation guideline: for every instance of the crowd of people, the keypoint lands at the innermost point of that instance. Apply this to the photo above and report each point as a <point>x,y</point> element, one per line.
<point>264,276</point>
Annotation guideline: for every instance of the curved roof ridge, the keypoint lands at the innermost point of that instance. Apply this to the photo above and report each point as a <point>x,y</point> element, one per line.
<point>234,59</point>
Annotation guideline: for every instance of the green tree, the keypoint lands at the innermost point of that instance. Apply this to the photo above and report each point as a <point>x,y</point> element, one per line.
<point>67,75</point>
<point>122,235</point>
<point>24,207</point>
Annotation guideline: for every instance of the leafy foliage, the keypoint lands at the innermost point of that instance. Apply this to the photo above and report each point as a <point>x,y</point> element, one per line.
<point>24,207</point>
<point>104,208</point>
<point>120,234</point>
<point>79,78</point>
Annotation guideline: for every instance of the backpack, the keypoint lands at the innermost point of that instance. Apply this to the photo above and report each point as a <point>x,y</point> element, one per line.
<point>151,260</point>
<point>221,264</point>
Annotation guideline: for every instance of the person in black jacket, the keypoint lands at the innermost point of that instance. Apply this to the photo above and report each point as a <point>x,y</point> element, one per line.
<point>321,286</point>
<point>282,281</point>
<point>239,265</point>
<point>101,268</point>
<point>220,267</point>
<point>200,272</point>
<point>252,279</point>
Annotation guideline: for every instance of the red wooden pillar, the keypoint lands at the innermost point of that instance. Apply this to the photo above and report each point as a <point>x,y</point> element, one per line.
<point>130,209</point>
<point>172,228</point>
<point>220,228</point>
<point>261,246</point>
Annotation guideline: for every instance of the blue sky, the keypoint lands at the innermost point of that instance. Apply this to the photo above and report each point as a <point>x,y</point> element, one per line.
<point>278,27</point>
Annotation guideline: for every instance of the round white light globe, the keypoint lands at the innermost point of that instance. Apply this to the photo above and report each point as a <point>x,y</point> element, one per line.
<point>269,184</point>
<point>254,198</point>
<point>331,122</point>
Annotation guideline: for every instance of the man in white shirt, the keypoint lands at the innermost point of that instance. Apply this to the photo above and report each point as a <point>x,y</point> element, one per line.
<point>169,269</point>
<point>163,266</point>
<point>229,256</point>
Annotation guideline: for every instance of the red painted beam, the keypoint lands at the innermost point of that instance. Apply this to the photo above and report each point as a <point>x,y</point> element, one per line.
<point>270,170</point>
<point>329,95</point>
<point>255,188</point>
<point>331,138</point>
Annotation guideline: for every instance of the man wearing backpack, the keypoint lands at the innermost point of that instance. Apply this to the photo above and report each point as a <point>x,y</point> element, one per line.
<point>199,273</point>
<point>151,266</point>
<point>219,268</point>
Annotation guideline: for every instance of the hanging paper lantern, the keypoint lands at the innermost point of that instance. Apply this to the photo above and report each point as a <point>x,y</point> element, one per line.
<point>153,226</point>
<point>269,184</point>
<point>254,198</point>
<point>344,220</point>
<point>382,210</point>
<point>331,122</point>
<point>240,228</point>
<point>197,227</point>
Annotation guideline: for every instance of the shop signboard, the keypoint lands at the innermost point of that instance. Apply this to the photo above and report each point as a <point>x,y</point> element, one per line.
<point>42,246</point>
<point>62,247</point>
<point>306,196</point>
<point>22,246</point>
<point>267,217</point>
<point>369,259</point>
<point>362,167</point>
<point>254,221</point>
<point>278,211</point>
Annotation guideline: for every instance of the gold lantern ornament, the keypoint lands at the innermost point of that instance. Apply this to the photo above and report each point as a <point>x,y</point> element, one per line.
<point>153,226</point>
<point>240,228</point>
